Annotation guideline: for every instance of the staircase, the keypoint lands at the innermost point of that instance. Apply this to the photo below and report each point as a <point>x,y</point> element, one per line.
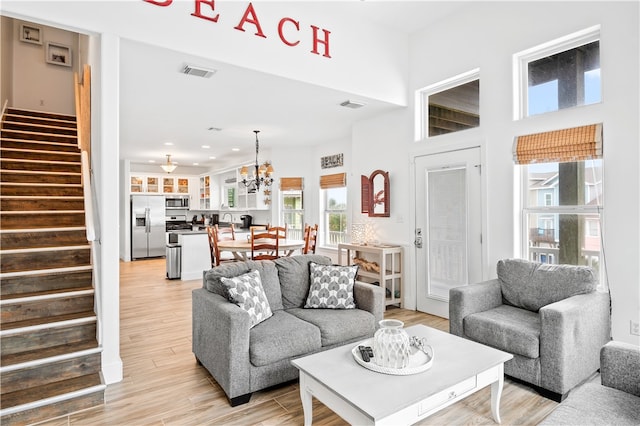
<point>50,359</point>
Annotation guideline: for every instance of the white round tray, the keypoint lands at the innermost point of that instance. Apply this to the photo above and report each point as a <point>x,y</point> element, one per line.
<point>419,360</point>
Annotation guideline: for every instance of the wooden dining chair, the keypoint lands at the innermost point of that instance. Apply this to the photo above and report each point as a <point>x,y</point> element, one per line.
<point>226,233</point>
<point>216,259</point>
<point>264,245</point>
<point>280,231</point>
<point>310,236</point>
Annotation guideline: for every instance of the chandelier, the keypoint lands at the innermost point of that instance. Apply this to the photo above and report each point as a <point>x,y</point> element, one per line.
<point>261,175</point>
<point>169,166</point>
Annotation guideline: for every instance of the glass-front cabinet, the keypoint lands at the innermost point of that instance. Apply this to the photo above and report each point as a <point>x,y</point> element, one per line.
<point>158,184</point>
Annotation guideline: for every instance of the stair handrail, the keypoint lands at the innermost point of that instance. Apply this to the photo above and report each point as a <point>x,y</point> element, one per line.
<point>88,198</point>
<point>83,109</point>
<point>4,107</point>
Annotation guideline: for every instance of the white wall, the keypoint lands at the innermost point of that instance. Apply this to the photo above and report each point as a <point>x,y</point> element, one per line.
<point>362,54</point>
<point>485,36</point>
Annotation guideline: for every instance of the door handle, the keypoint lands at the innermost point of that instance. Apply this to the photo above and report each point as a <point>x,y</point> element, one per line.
<point>418,242</point>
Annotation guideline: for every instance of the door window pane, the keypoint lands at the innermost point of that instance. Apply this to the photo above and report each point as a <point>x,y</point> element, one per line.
<point>447,232</point>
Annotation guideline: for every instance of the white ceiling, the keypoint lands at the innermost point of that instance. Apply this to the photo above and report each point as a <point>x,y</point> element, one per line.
<point>160,105</point>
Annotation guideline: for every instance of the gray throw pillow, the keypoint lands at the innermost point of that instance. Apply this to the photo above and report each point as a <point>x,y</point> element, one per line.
<point>331,286</point>
<point>532,285</point>
<point>246,291</point>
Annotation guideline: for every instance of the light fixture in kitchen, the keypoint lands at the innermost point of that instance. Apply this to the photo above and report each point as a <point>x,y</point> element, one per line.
<point>169,166</point>
<point>262,173</point>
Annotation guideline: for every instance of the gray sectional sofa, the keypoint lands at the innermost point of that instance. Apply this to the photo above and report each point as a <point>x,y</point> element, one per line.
<point>612,399</point>
<point>243,358</point>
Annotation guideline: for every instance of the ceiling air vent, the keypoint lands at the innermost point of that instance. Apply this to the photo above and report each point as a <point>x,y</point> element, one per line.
<point>352,104</point>
<point>198,71</point>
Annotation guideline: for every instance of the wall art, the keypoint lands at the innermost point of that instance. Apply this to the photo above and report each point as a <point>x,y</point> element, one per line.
<point>58,54</point>
<point>31,33</point>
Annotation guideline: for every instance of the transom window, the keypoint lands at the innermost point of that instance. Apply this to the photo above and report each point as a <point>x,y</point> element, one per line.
<point>561,74</point>
<point>449,106</point>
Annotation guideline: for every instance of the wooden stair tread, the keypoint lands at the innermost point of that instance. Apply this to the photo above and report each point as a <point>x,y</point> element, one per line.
<point>26,396</point>
<point>67,348</point>
<point>44,321</point>
<point>43,293</point>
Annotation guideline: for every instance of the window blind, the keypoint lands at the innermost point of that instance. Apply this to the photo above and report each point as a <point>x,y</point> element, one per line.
<point>574,144</point>
<point>337,180</point>
<point>291,184</point>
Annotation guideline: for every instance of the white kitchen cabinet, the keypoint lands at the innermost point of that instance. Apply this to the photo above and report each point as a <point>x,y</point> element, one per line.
<point>159,184</point>
<point>389,267</point>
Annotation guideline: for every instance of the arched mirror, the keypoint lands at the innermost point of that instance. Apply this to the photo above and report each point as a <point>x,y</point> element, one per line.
<point>379,202</point>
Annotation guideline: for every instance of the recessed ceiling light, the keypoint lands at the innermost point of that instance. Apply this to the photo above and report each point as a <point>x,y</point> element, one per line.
<point>212,158</point>
<point>169,143</point>
<point>235,149</point>
<point>152,161</point>
<point>195,164</point>
<point>352,104</point>
<point>206,146</point>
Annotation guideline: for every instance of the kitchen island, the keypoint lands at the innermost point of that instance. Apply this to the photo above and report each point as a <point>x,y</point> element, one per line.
<point>196,255</point>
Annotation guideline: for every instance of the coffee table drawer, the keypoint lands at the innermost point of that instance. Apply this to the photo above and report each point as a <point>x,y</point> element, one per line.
<point>446,395</point>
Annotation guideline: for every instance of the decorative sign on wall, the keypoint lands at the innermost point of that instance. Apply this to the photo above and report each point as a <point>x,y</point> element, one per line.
<point>288,29</point>
<point>330,161</point>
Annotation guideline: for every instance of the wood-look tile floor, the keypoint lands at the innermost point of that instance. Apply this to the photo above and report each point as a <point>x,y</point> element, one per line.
<point>163,385</point>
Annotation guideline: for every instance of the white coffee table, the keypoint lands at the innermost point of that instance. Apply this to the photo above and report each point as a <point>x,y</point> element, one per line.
<point>361,396</point>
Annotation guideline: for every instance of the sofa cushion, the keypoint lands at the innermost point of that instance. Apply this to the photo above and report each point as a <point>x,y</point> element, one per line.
<point>331,286</point>
<point>268,275</point>
<point>246,291</point>
<point>506,328</point>
<point>532,285</point>
<point>281,337</point>
<point>338,325</point>
<point>293,272</point>
<point>594,404</point>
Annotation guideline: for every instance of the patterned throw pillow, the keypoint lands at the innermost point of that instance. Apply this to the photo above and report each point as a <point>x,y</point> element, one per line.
<point>246,291</point>
<point>331,286</point>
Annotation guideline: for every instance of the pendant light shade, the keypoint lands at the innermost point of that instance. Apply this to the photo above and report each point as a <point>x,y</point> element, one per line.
<point>168,167</point>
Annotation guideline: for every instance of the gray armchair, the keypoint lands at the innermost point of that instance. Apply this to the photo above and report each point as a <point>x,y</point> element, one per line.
<point>550,317</point>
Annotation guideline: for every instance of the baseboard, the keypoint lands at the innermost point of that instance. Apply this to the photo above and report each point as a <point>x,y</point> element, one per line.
<point>112,372</point>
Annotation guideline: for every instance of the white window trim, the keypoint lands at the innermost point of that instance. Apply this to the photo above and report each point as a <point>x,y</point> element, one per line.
<point>422,95</point>
<point>522,59</point>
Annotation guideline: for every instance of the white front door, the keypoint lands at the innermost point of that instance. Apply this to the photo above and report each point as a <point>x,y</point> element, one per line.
<point>448,226</point>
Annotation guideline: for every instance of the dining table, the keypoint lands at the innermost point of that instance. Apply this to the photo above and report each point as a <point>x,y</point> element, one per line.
<point>241,249</point>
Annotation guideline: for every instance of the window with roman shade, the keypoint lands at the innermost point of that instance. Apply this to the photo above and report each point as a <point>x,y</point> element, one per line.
<point>562,195</point>
<point>333,199</point>
<point>292,206</point>
<point>291,184</point>
<point>336,180</point>
<point>559,146</point>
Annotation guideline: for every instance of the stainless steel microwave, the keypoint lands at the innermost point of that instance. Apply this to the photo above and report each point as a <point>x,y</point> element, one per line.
<point>177,202</point>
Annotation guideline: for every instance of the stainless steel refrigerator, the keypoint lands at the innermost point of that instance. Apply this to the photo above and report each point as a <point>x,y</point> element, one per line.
<point>147,226</point>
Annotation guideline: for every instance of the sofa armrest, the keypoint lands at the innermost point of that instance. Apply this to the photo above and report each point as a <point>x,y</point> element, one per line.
<point>572,331</point>
<point>220,340</point>
<point>469,299</point>
<point>620,367</point>
<point>370,298</point>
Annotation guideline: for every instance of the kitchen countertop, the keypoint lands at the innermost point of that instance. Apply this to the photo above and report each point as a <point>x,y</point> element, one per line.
<point>204,231</point>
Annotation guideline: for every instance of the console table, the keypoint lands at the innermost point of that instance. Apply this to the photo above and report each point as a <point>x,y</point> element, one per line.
<point>388,258</point>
